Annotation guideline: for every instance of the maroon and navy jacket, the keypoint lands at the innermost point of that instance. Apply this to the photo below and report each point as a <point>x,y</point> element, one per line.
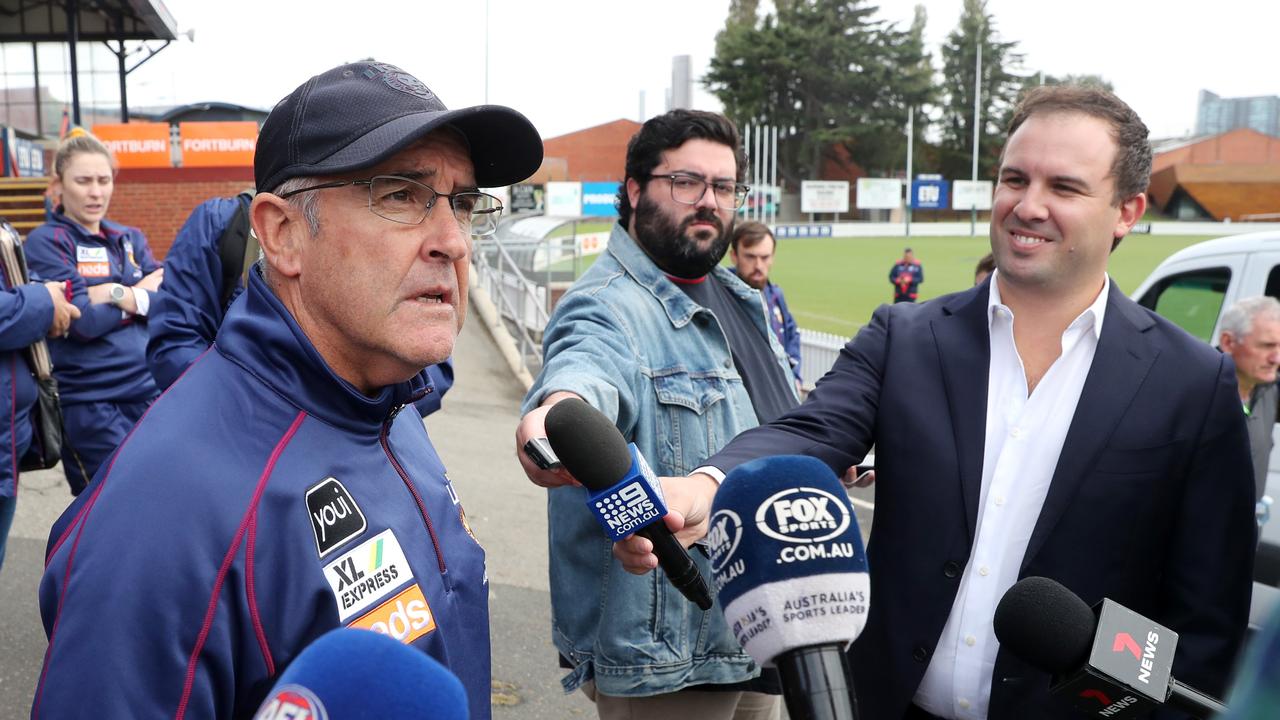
<point>260,502</point>
<point>104,356</point>
<point>26,312</point>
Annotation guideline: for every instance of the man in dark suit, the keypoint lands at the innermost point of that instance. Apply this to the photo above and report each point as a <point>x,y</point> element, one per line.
<point>1040,423</point>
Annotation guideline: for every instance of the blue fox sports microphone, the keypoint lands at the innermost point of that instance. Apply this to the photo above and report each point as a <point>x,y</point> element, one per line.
<point>350,674</point>
<point>1107,661</point>
<point>791,575</point>
<point>624,495</point>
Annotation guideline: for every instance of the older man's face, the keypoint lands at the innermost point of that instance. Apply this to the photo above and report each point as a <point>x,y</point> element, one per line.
<point>387,299</point>
<point>1257,355</point>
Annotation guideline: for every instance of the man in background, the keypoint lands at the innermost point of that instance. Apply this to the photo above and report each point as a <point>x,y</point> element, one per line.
<point>753,249</point>
<point>1251,336</point>
<point>906,276</point>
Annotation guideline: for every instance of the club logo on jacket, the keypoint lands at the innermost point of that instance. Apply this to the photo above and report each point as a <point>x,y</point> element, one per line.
<point>335,517</point>
<point>367,573</point>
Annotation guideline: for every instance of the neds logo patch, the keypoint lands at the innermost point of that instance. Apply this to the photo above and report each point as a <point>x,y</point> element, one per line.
<point>802,515</point>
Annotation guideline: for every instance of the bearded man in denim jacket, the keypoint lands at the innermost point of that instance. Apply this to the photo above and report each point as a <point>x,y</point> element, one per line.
<point>678,353</point>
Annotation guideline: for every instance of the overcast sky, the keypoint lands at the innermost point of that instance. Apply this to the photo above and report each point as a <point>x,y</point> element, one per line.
<point>570,64</point>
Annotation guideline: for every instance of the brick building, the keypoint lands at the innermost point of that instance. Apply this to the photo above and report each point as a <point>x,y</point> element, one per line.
<point>594,154</point>
<point>1234,175</point>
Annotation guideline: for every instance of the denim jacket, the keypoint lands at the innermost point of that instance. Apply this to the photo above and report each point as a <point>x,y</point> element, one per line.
<point>637,348</point>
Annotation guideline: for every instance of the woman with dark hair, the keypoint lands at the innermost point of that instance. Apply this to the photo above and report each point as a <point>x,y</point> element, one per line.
<point>100,364</point>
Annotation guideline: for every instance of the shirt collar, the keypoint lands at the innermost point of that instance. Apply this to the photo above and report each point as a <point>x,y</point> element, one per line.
<point>1091,317</point>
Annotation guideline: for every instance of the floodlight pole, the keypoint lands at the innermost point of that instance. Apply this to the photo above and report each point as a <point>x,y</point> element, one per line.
<point>911,136</point>
<point>977,125</point>
<point>486,52</point>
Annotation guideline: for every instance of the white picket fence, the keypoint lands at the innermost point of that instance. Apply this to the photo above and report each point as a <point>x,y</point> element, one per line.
<point>818,352</point>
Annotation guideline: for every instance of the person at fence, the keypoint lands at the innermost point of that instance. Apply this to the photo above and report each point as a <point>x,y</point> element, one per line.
<point>276,490</point>
<point>677,352</point>
<point>204,272</point>
<point>1250,334</point>
<point>101,364</point>
<point>986,265</point>
<point>906,276</point>
<point>753,249</point>
<point>1038,424</point>
<point>27,314</point>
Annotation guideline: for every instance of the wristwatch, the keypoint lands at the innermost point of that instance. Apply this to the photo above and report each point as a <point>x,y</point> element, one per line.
<point>117,294</point>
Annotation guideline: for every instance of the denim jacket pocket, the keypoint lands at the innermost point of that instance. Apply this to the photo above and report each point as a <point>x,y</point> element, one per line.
<point>689,406</point>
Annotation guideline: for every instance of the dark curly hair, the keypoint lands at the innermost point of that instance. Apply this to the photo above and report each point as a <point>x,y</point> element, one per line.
<point>671,130</point>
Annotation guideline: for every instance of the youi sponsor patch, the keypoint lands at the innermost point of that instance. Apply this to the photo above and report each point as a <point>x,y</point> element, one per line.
<point>335,516</point>
<point>367,573</point>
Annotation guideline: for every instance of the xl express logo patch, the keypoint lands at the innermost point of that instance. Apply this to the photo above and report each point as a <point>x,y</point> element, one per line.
<point>802,515</point>
<point>335,517</point>
<point>367,573</point>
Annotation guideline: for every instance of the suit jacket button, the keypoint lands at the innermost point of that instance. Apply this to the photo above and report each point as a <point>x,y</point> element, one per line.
<point>920,654</point>
<point>951,569</point>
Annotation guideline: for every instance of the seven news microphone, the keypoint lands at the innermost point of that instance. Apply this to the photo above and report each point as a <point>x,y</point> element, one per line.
<point>624,494</point>
<point>791,575</point>
<point>1107,661</point>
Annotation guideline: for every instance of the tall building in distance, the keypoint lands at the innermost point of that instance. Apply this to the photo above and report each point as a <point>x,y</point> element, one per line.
<point>1218,114</point>
<point>681,96</point>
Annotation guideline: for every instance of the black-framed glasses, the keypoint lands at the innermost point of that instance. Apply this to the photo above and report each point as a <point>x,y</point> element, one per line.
<point>408,201</point>
<point>689,189</point>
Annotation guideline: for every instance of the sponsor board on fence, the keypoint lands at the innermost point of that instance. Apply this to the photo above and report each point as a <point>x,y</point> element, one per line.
<point>798,231</point>
<point>136,144</point>
<point>218,144</point>
<point>824,196</point>
<point>598,198</point>
<point>928,194</point>
<point>971,195</point>
<point>563,199</point>
<point>879,193</point>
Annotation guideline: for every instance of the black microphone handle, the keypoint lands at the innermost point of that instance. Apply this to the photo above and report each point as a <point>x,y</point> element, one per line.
<point>1190,700</point>
<point>816,683</point>
<point>677,564</point>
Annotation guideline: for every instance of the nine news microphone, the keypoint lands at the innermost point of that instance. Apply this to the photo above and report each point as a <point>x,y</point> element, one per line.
<point>1106,661</point>
<point>624,495</point>
<point>350,673</point>
<point>791,575</point>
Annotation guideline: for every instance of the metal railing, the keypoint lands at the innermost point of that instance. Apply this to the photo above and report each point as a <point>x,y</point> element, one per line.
<point>520,275</point>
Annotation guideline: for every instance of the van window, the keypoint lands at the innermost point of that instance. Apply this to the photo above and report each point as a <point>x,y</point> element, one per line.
<point>1190,300</point>
<point>1273,283</point>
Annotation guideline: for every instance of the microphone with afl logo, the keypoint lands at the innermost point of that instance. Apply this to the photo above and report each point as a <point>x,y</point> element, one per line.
<point>347,674</point>
<point>791,575</point>
<point>624,495</point>
<point>1107,661</point>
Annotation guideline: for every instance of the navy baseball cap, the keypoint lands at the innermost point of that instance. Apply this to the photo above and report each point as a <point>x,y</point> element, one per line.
<point>357,115</point>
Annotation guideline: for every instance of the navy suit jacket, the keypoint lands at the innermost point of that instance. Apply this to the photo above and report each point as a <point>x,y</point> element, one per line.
<point>1151,502</point>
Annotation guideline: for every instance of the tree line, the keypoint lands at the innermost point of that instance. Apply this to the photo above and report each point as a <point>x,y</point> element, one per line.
<point>839,84</point>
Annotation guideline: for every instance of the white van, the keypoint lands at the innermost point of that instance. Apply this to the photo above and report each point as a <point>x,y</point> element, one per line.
<point>1192,288</point>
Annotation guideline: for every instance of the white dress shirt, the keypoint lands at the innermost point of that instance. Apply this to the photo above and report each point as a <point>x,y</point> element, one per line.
<point>1023,440</point>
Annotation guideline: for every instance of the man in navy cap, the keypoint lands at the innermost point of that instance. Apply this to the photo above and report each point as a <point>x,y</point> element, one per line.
<point>276,491</point>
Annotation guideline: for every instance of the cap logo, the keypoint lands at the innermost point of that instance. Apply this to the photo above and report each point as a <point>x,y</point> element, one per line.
<point>397,79</point>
